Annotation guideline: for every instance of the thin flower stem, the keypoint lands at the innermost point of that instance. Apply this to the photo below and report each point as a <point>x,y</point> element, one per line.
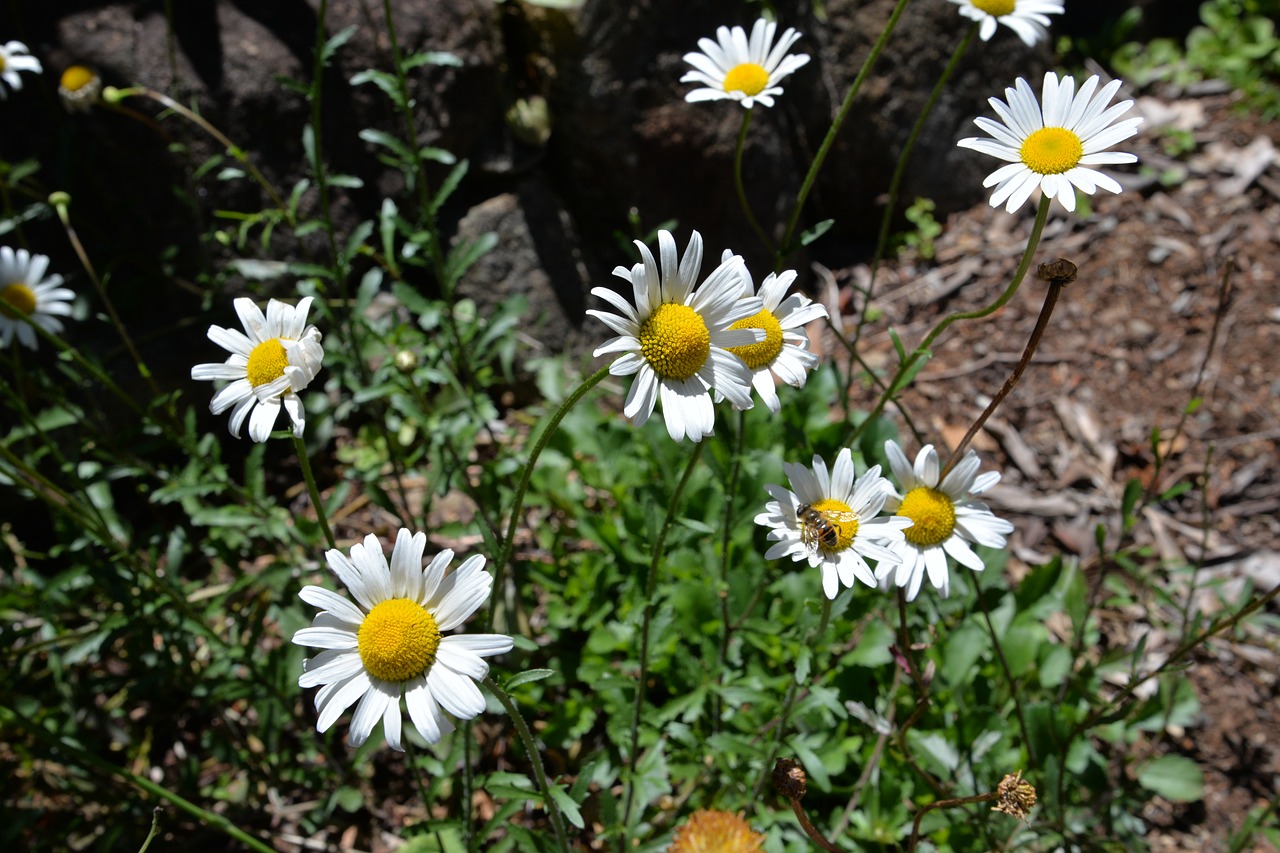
<point>60,202</point>
<point>114,96</point>
<point>943,804</point>
<point>509,541</point>
<point>468,830</point>
<point>811,177</point>
<point>650,585</point>
<point>1008,675</point>
<point>905,369</point>
<point>900,169</point>
<point>535,759</point>
<point>155,829</point>
<point>808,827</point>
<point>1042,323</point>
<point>731,492</point>
<point>788,704</point>
<point>741,188</point>
<point>313,490</point>
<point>411,130</point>
<point>88,759</point>
<point>419,782</point>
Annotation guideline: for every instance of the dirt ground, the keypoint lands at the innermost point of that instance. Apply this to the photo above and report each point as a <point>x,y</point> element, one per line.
<point>1146,328</point>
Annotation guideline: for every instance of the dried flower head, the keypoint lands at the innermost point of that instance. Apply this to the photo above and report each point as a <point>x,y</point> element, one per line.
<point>1058,272</point>
<point>1014,796</point>
<point>789,779</point>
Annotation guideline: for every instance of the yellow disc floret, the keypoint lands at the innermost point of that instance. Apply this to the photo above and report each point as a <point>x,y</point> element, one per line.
<point>840,517</point>
<point>1051,151</point>
<point>674,340</point>
<point>267,362</point>
<point>747,78</point>
<point>762,354</point>
<point>997,8</point>
<point>933,515</point>
<point>76,77</point>
<point>398,640</point>
<point>17,300</point>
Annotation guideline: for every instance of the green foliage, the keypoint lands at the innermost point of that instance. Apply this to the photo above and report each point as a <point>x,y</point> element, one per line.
<point>926,228</point>
<point>1237,42</point>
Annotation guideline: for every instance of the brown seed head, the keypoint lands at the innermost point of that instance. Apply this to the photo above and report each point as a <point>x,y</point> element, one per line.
<point>1058,272</point>
<point>789,779</point>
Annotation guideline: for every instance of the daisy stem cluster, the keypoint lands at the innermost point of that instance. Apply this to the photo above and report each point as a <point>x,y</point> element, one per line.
<point>304,462</point>
<point>1028,352</point>
<point>911,362</point>
<point>650,588</point>
<point>900,170</point>
<point>829,140</point>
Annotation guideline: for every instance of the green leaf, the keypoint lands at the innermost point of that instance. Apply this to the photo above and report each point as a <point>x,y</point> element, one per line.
<point>812,234</point>
<point>571,811</point>
<point>1174,777</point>
<point>527,677</point>
<point>336,41</point>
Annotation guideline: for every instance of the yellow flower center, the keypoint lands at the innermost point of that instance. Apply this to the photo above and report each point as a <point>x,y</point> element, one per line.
<point>714,831</point>
<point>75,78</point>
<point>997,8</point>
<point>398,640</point>
<point>675,341</point>
<point>747,78</point>
<point>933,514</point>
<point>267,362</point>
<point>838,517</point>
<point>762,354</point>
<point>1051,151</point>
<point>3,63</point>
<point>17,301</point>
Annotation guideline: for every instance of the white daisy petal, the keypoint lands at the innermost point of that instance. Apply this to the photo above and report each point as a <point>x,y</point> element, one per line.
<point>835,528</point>
<point>737,68</point>
<point>1039,142</point>
<point>945,519</point>
<point>392,644</point>
<point>27,296</point>
<point>274,358</point>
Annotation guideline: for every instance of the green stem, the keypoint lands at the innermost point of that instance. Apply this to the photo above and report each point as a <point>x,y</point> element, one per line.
<point>788,704</point>
<point>895,183</point>
<point>60,202</point>
<point>725,547</point>
<point>313,490</point>
<point>650,584</point>
<point>904,370</point>
<point>509,542</point>
<point>114,96</point>
<point>535,759</point>
<point>1008,675</point>
<point>88,759</point>
<point>830,138</point>
<point>741,188</point>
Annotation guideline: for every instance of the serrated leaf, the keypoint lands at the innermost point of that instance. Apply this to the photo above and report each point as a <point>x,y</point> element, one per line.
<point>567,806</point>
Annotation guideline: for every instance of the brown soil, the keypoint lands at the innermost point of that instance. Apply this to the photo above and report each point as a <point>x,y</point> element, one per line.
<point>1177,299</point>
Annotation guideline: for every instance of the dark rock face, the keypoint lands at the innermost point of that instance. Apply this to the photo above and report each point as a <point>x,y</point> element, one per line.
<point>621,135</point>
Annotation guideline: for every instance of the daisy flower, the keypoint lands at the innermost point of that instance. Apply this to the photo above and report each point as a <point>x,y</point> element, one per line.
<point>709,830</point>
<point>676,340</point>
<point>79,88</point>
<point>27,297</point>
<point>740,70</point>
<point>267,367</point>
<point>389,642</point>
<point>1028,18</point>
<point>15,57</point>
<point>945,518</point>
<point>831,522</point>
<point>1053,148</point>
<point>784,352</point>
